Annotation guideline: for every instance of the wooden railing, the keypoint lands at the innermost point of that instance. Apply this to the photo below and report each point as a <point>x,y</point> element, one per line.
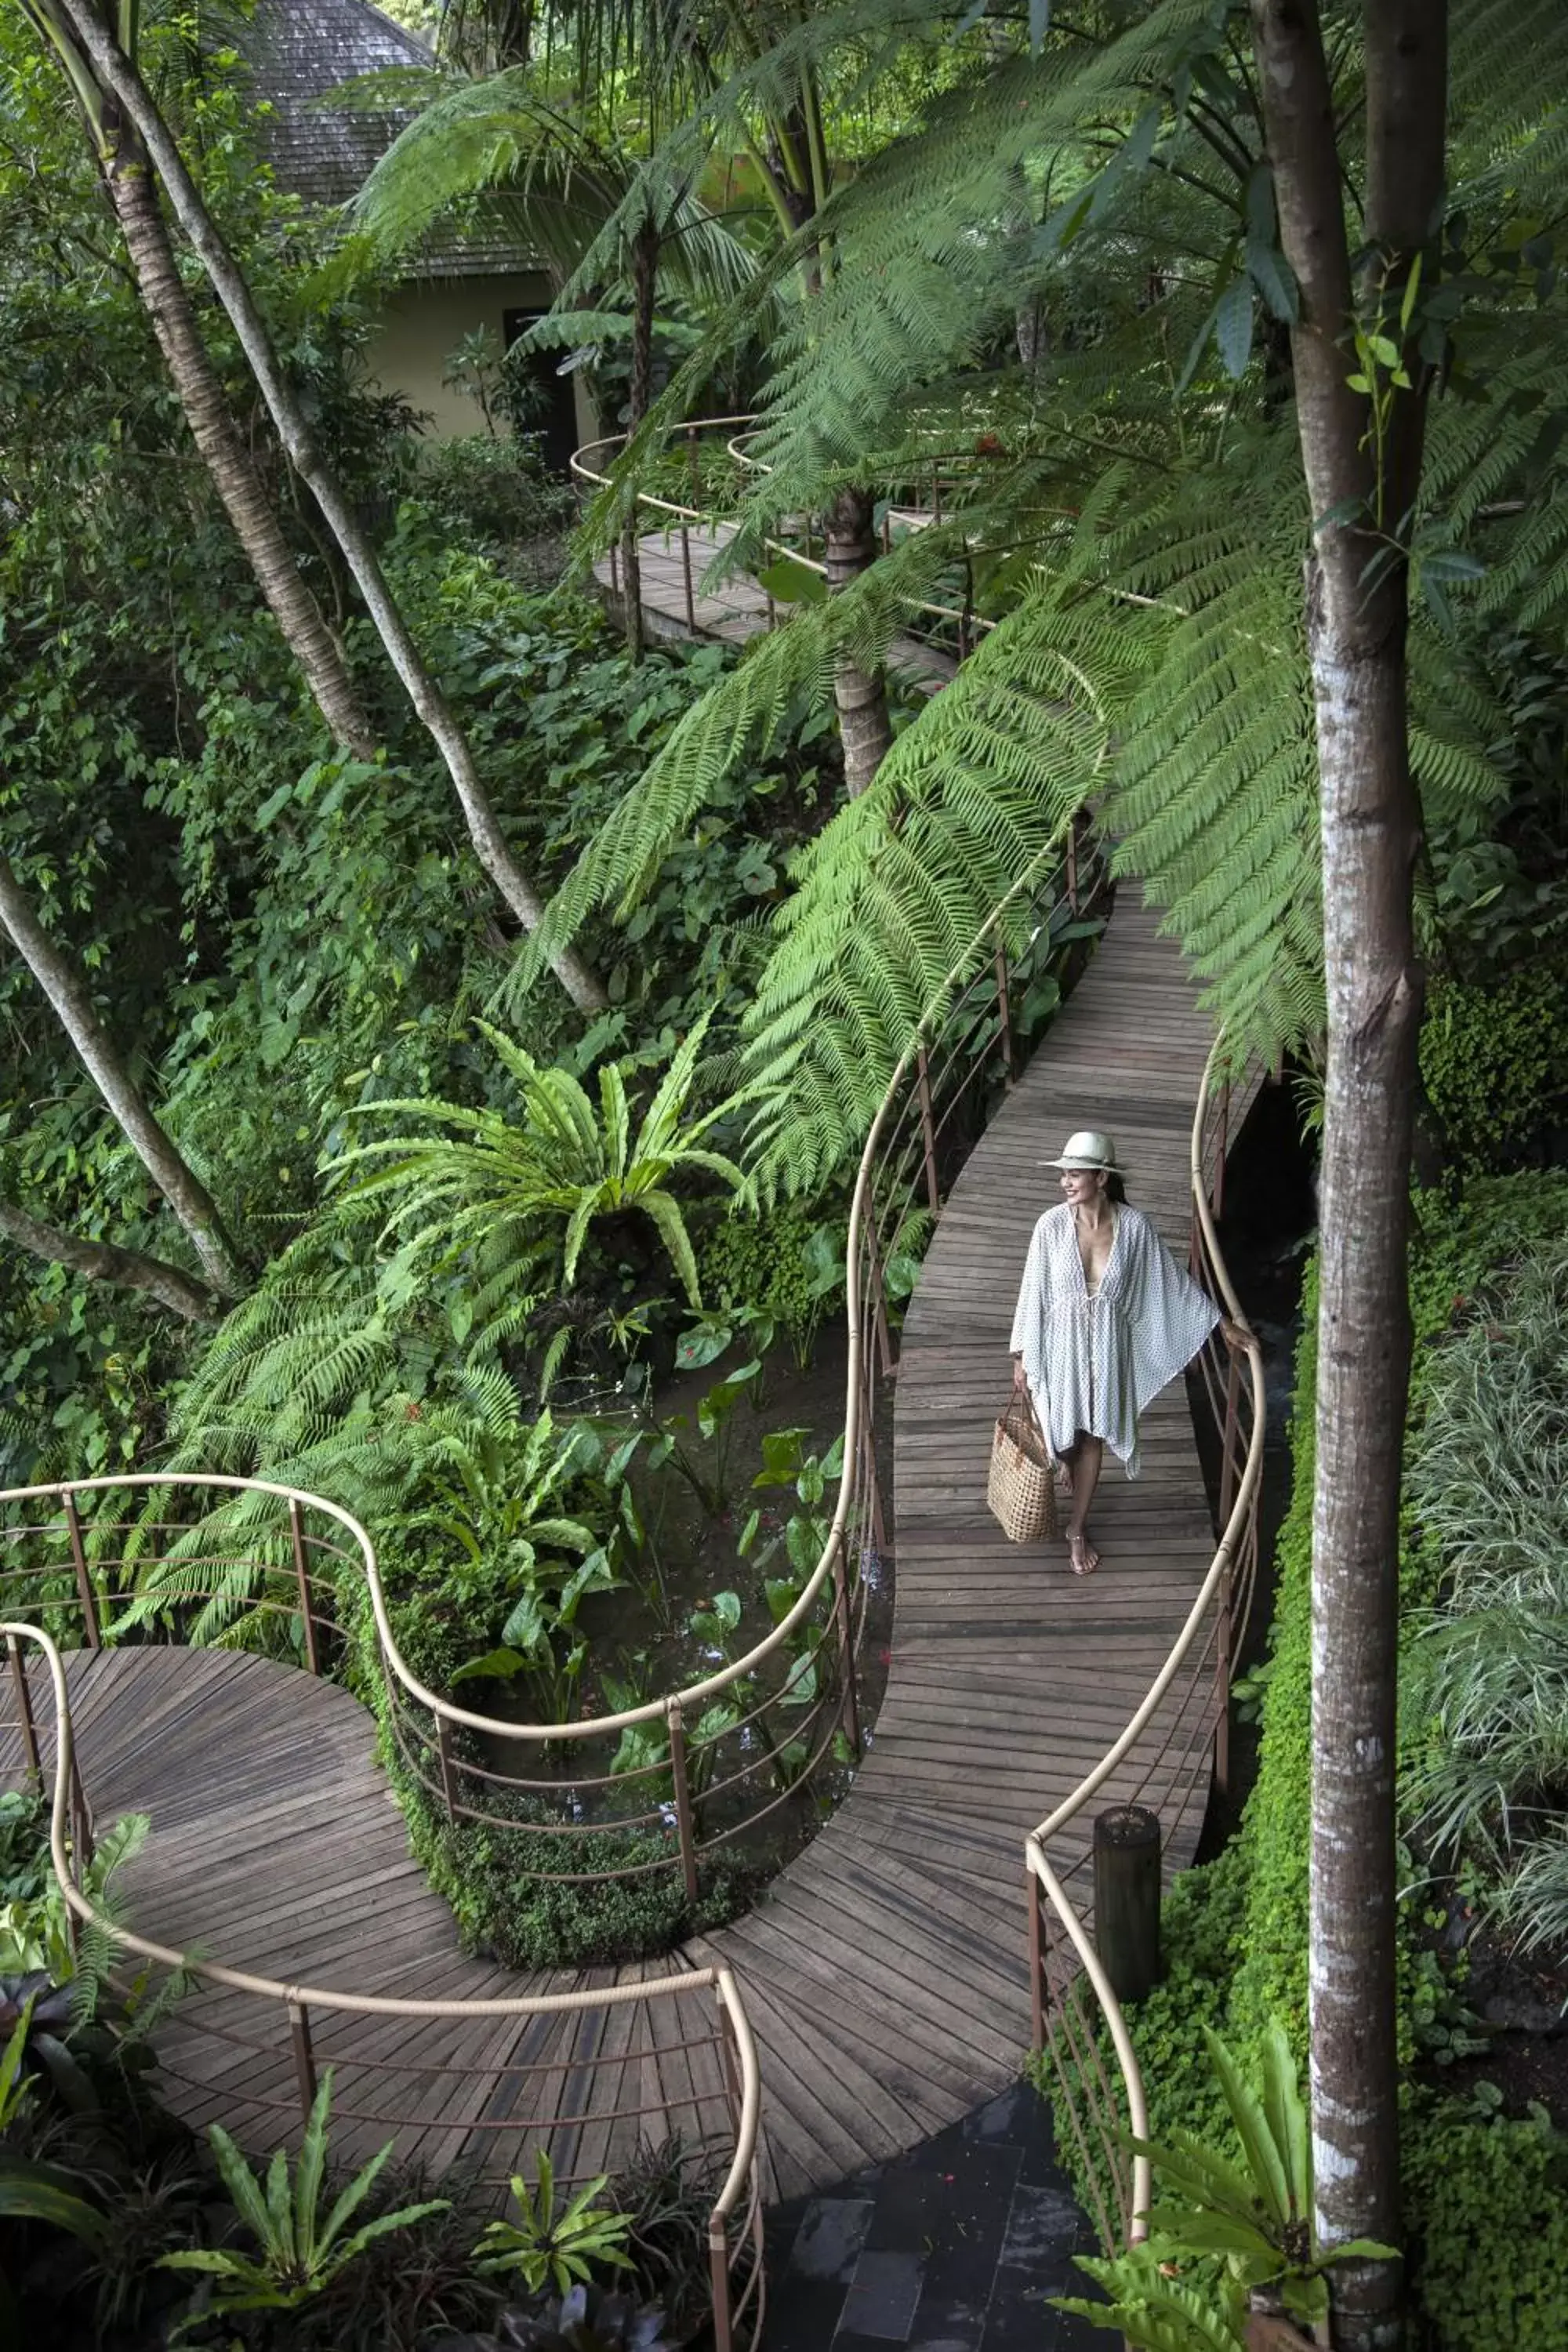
<point>1177,1735</point>
<point>275,2040</point>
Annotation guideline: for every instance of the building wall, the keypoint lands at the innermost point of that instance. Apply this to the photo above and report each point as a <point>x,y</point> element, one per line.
<point>422,325</point>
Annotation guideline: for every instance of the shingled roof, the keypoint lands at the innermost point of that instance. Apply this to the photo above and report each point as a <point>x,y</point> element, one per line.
<point>298,51</point>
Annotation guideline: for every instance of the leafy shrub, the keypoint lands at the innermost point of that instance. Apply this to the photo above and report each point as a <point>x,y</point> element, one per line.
<point>488,491</point>
<point>1494,1059</point>
<point>786,1261</point>
<point>1487,1690</point>
<point>1235,1930</point>
<point>1488,2209</point>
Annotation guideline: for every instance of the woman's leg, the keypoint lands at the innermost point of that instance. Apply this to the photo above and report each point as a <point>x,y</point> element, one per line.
<point>1085,1459</point>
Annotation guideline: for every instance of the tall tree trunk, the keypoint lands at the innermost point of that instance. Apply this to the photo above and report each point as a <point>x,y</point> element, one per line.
<point>864,728</point>
<point>117,74</point>
<point>106,1262</point>
<point>639,393</point>
<point>218,437</point>
<point>1370,832</point>
<point>68,995</point>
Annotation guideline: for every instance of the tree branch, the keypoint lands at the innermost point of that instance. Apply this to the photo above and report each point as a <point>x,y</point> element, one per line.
<point>105,1262</point>
<point>117,74</point>
<point>99,1057</point>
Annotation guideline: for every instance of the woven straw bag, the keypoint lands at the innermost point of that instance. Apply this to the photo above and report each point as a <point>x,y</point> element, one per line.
<point>1021,1490</point>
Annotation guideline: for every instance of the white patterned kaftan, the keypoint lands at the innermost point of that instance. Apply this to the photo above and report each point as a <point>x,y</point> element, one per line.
<point>1094,1359</point>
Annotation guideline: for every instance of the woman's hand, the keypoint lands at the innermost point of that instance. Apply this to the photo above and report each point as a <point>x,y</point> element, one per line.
<point>1237,1335</point>
<point>1020,1379</point>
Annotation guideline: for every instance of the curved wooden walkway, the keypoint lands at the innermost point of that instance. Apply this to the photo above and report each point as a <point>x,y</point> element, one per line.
<point>735,610</point>
<point>885,1972</point>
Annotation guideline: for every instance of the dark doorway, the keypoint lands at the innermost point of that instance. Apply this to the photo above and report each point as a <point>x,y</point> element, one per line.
<point>556,415</point>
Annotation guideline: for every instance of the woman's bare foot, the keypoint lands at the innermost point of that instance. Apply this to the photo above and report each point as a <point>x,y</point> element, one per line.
<point>1085,1559</point>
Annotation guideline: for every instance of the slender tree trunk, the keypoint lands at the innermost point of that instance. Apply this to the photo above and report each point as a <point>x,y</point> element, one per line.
<point>118,74</point>
<point>218,437</point>
<point>1371,832</point>
<point>68,995</point>
<point>106,1262</point>
<point>644,287</point>
<point>865,730</point>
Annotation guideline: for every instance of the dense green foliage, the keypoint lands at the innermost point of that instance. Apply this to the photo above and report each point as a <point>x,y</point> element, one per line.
<point>1491,2266</point>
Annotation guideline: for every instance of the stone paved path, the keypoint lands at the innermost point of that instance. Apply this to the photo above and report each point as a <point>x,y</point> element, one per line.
<point>954,2247</point>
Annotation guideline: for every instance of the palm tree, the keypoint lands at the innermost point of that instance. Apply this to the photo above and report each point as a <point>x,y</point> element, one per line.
<point>559,167</point>
<point>125,98</point>
<point>1241,397</point>
<point>123,160</point>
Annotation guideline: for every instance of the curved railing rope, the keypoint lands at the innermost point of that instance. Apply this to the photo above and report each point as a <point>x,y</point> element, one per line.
<point>964,1043</point>
<point>953,627</point>
<point>736,2269</point>
<point>1207,1644</point>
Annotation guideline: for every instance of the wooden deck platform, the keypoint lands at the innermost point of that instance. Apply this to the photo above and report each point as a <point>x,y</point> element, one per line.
<point>885,1970</point>
<point>735,610</point>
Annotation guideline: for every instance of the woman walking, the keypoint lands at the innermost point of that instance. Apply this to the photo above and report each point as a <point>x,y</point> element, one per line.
<point>1105,1320</point>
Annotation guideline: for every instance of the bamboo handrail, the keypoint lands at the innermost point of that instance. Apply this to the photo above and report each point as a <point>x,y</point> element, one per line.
<point>1237,1534</point>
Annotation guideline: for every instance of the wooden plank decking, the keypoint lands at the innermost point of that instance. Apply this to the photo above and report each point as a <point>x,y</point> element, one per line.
<point>737,609</point>
<point>884,1973</point>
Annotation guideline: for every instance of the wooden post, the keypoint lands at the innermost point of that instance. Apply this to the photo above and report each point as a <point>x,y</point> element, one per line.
<point>84,1590</point>
<point>693,465</point>
<point>304,2055</point>
<point>686,574</point>
<point>683,1821</point>
<point>773,615</point>
<point>1037,1963</point>
<point>303,1573</point>
<point>1127,1898</point>
<point>935,492</point>
<point>849,1706</point>
<point>1004,1010</point>
<point>24,1708</point>
<point>1072,866</point>
<point>928,1127</point>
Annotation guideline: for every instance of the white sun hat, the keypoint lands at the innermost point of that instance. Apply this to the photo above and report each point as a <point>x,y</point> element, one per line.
<point>1089,1147</point>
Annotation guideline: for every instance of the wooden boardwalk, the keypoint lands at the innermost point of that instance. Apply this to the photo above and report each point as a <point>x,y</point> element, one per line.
<point>885,1971</point>
<point>735,610</point>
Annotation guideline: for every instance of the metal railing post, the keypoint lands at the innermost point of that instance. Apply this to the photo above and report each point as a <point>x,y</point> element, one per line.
<point>85,1593</point>
<point>849,1708</point>
<point>928,1127</point>
<point>879,1298</point>
<point>444,1757</point>
<point>302,1572</point>
<point>1221,1693</point>
<point>1037,1964</point>
<point>1228,1436</point>
<point>683,1821</point>
<point>1004,1010</point>
<point>1224,1150</point>
<point>304,2056</point>
<point>686,575</point>
<point>24,1708</point>
<point>719,2274</point>
<point>1072,866</point>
